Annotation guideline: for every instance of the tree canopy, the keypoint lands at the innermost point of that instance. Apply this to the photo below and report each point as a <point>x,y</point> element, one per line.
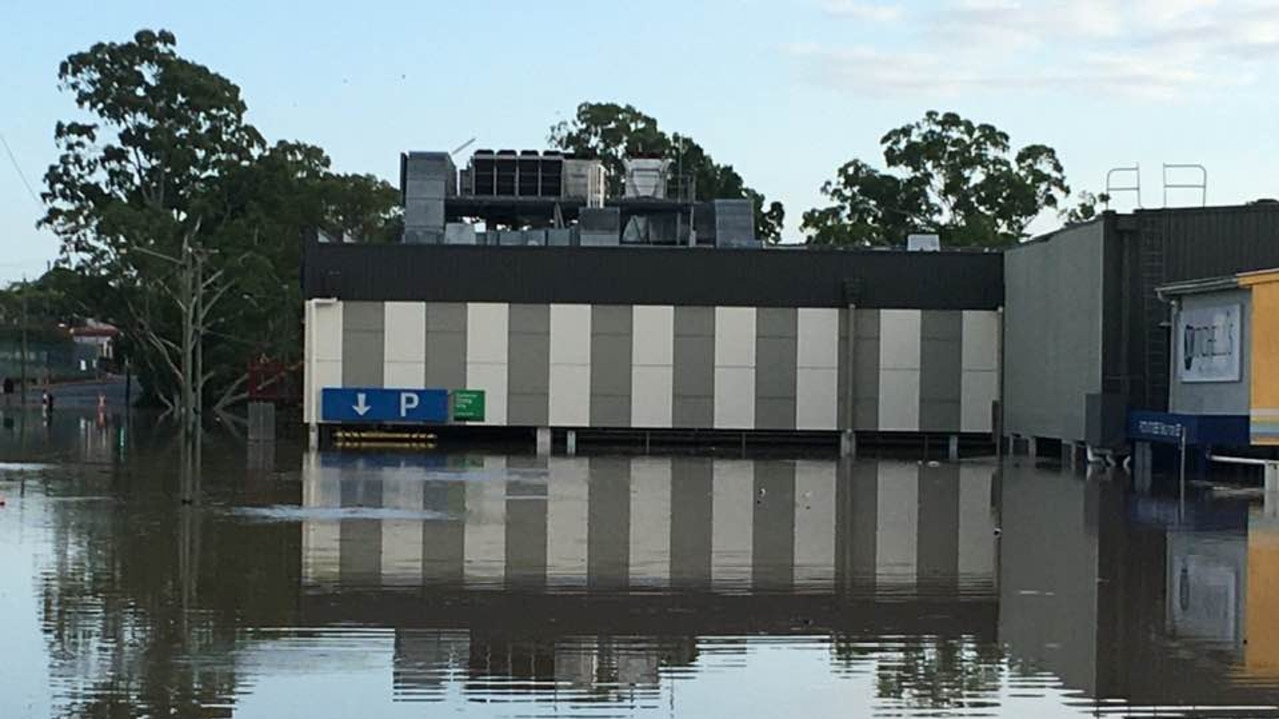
<point>946,175</point>
<point>613,132</point>
<point>162,162</point>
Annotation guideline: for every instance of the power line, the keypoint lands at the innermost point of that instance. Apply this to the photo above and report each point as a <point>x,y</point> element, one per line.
<point>18,168</point>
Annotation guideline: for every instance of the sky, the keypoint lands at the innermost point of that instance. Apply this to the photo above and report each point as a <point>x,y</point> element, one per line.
<point>784,91</point>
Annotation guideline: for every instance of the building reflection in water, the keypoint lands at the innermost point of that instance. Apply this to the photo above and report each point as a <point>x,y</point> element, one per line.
<point>1124,599</point>
<point>609,585</point>
<point>595,574</point>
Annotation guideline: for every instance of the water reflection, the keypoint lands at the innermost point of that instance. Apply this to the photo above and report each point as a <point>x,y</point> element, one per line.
<point>647,524</point>
<point>620,586</point>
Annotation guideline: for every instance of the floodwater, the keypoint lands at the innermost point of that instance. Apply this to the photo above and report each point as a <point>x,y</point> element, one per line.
<point>398,585</point>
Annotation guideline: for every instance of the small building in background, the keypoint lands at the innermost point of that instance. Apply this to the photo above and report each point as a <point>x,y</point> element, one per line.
<point>95,345</point>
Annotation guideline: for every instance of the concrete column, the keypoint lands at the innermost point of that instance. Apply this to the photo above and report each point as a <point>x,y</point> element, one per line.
<point>571,443</point>
<point>1272,477</point>
<point>848,443</point>
<point>543,441</point>
<point>1142,459</point>
<point>313,436</point>
<point>952,447</point>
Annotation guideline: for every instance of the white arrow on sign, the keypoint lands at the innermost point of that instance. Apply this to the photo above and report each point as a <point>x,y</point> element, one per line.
<point>361,407</point>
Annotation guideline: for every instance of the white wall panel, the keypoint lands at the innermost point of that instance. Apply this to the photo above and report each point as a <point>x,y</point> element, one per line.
<point>815,525</point>
<point>652,395</point>
<point>899,400</point>
<point>327,317</point>
<point>734,397</point>
<point>570,395</point>
<point>404,325</point>
<point>321,538</point>
<point>571,334</point>
<point>980,379</point>
<point>979,389</point>
<point>732,523</point>
<point>570,366</point>
<point>487,345</point>
<point>734,368</point>
<point>976,524</point>
<point>899,364</point>
<point>816,399</point>
<point>650,552</point>
<point>981,340</point>
<point>817,334</point>
<point>653,335</point>
<point>323,350</point>
<point>567,515</point>
<point>734,336</point>
<point>402,537</point>
<point>484,540</point>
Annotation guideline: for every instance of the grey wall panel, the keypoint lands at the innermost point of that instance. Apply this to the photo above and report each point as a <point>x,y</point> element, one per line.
<point>1218,397</point>
<point>528,368</point>
<point>608,533</point>
<point>866,370</point>
<point>862,533</point>
<point>363,343</point>
<point>773,527</point>
<point>360,540</point>
<point>941,370</point>
<point>776,335</point>
<point>444,540</point>
<point>694,371</point>
<point>611,357</point>
<point>446,345</point>
<point>811,277</point>
<point>1053,332</point>
<point>937,554</point>
<point>526,527</point>
<point>692,486</point>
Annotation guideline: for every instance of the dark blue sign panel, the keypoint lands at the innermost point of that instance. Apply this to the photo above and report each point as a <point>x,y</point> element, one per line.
<point>374,404</point>
<point>1201,429</point>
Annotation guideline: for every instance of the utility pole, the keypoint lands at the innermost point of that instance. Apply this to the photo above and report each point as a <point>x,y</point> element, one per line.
<point>23,395</point>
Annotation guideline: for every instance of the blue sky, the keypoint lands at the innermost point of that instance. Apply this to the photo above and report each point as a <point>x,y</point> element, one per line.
<point>785,91</point>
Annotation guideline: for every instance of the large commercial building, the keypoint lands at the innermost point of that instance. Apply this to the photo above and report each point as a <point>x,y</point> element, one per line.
<point>525,295</point>
<point>1087,337</point>
<point>651,339</point>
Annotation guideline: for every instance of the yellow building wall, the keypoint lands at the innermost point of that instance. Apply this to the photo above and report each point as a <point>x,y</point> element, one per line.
<point>1264,331</point>
<point>1261,653</point>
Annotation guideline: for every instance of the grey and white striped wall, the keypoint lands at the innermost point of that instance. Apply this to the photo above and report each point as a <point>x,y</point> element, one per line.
<point>670,366</point>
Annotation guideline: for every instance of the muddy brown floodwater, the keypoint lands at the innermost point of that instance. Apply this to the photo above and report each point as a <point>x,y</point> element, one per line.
<point>396,585</point>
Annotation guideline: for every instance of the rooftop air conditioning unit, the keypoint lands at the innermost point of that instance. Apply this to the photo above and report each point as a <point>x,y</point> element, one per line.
<point>923,243</point>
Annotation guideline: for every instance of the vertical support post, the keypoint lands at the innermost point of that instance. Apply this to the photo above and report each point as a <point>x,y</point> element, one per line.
<point>1181,502</point>
<point>1142,461</point>
<point>1032,447</point>
<point>1272,477</point>
<point>543,441</point>
<point>22,386</point>
<point>848,444</point>
<point>313,436</point>
<point>570,443</point>
<point>952,447</point>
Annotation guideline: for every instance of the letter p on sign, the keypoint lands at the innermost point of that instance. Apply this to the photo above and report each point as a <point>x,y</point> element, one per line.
<point>408,401</point>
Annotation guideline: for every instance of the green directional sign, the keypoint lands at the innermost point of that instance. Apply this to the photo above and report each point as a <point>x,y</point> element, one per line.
<point>468,405</point>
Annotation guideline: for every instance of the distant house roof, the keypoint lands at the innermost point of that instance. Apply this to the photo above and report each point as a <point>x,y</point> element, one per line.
<point>95,331</point>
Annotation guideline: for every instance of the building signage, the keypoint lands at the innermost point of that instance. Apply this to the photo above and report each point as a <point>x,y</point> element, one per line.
<point>468,405</point>
<point>1209,344</point>
<point>375,404</point>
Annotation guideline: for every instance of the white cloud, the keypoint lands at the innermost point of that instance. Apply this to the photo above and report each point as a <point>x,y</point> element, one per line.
<point>874,12</point>
<point>1142,49</point>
